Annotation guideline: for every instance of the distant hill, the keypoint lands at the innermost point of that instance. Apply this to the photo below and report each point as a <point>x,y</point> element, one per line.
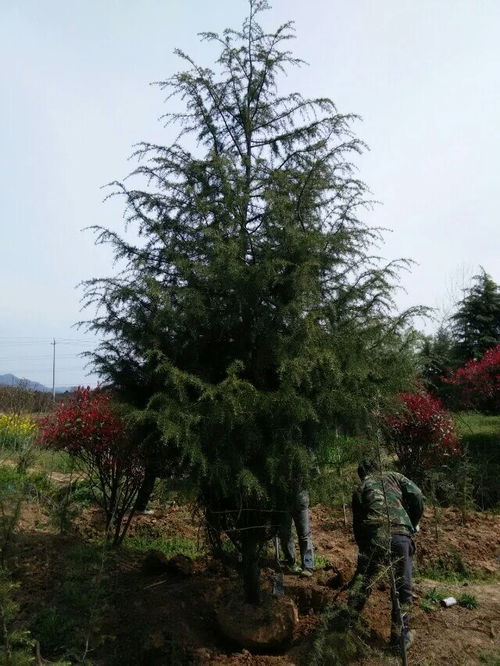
<point>12,380</point>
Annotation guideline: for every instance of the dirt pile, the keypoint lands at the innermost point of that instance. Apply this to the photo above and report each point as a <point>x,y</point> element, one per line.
<point>263,628</point>
<point>157,618</point>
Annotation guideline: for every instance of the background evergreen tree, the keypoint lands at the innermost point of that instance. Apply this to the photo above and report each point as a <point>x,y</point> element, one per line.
<point>476,323</point>
<point>251,321</point>
<point>438,359</point>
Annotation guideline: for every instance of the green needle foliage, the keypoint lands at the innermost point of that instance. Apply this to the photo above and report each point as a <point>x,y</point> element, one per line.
<point>476,323</point>
<point>251,321</point>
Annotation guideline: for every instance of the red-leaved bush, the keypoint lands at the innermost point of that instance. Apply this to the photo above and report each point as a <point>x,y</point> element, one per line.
<point>422,434</point>
<point>88,427</point>
<point>477,384</point>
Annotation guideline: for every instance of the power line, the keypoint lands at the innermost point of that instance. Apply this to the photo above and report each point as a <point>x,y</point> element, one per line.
<point>40,357</point>
<point>38,343</point>
<point>47,341</point>
<point>45,338</point>
<point>27,364</point>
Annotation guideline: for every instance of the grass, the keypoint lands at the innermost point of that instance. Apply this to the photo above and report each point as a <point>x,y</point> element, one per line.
<point>169,547</point>
<point>54,461</point>
<point>474,422</point>
<point>431,599</point>
<point>480,434</point>
<point>450,568</point>
<point>440,575</point>
<point>44,460</point>
<point>320,561</point>
<point>77,614</point>
<point>467,601</point>
<point>88,555</point>
<point>489,659</point>
<point>435,596</point>
<point>427,606</point>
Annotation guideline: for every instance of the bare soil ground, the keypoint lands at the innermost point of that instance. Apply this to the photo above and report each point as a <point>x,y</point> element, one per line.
<point>170,619</point>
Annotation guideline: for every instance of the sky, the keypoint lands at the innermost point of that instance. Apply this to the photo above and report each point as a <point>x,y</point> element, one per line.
<point>423,75</point>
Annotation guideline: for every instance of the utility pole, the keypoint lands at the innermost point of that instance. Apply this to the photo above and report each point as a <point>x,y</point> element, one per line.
<point>53,343</point>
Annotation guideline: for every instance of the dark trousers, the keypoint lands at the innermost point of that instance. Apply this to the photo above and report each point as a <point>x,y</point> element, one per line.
<point>373,559</point>
<point>146,489</point>
<point>299,515</point>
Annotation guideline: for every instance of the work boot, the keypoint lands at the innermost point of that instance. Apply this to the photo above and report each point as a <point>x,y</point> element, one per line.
<point>409,638</point>
<point>307,573</point>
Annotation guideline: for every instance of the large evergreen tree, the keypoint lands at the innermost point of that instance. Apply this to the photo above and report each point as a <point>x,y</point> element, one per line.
<point>250,322</point>
<point>437,360</point>
<point>476,323</point>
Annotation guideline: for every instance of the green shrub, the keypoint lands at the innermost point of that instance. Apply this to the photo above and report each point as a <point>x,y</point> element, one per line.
<point>467,601</point>
<point>168,491</point>
<point>52,628</point>
<point>337,470</point>
<point>12,489</point>
<point>450,485</point>
<point>74,594</point>
<point>64,504</point>
<point>341,638</point>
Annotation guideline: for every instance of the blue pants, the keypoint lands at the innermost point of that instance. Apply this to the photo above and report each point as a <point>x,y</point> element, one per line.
<point>299,515</point>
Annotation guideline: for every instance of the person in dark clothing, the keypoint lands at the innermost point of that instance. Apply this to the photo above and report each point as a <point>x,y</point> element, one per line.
<point>146,489</point>
<point>386,508</point>
<point>298,513</point>
<point>157,465</point>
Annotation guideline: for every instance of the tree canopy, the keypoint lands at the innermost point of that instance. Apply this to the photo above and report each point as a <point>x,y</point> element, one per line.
<point>251,319</point>
<point>476,323</point>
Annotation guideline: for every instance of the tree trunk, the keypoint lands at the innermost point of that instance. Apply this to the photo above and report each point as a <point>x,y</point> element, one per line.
<point>251,571</point>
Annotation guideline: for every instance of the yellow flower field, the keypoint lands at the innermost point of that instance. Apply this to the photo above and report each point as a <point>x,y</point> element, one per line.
<point>16,430</point>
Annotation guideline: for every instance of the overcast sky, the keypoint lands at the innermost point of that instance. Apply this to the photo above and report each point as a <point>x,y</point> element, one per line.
<point>422,74</point>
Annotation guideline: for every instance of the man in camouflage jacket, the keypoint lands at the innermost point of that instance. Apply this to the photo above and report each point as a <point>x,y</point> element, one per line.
<point>386,509</point>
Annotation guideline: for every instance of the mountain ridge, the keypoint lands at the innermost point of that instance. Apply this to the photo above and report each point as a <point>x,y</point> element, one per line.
<point>11,380</point>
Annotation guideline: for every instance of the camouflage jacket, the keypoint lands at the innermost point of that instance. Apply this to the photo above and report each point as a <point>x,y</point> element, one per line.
<point>371,517</point>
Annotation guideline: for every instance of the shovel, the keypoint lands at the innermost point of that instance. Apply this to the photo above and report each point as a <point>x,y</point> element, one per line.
<point>277,578</point>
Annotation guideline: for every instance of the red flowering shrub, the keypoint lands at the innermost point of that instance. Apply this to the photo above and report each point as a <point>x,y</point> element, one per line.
<point>422,433</point>
<point>88,427</point>
<point>477,384</point>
